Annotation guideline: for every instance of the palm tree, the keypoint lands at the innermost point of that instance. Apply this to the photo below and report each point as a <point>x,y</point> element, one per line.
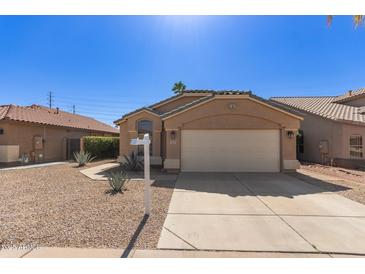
<point>178,87</point>
<point>358,20</point>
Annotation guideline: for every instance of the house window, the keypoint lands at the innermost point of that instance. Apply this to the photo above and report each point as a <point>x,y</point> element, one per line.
<point>356,146</point>
<point>143,127</point>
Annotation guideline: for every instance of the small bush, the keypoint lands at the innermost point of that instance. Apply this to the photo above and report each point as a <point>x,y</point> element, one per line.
<point>116,181</point>
<point>83,157</point>
<point>102,147</point>
<point>132,163</point>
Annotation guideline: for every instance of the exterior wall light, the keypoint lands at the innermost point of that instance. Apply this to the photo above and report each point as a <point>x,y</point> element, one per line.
<point>173,135</point>
<point>290,134</point>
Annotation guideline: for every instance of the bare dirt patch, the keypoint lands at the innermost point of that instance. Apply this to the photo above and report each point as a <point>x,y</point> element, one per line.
<point>59,206</point>
<point>349,183</point>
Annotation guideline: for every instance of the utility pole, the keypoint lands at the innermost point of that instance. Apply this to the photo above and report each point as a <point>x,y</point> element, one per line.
<point>73,109</point>
<point>50,99</point>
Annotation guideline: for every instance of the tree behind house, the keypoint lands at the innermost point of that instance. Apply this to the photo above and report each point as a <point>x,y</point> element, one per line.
<point>178,87</point>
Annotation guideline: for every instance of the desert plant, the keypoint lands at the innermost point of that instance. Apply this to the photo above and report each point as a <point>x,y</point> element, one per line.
<point>83,157</point>
<point>116,181</point>
<point>132,162</point>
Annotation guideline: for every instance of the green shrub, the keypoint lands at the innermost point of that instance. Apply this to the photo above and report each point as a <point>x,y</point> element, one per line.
<point>83,157</point>
<point>132,163</point>
<point>116,181</point>
<point>102,147</point>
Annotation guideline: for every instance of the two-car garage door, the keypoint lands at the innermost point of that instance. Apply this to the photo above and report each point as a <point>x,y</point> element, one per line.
<point>230,150</point>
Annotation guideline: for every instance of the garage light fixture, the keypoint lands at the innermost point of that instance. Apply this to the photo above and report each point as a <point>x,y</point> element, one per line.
<point>173,135</point>
<point>290,134</point>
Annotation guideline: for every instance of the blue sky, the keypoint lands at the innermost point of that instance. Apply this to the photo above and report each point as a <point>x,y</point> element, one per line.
<point>110,65</point>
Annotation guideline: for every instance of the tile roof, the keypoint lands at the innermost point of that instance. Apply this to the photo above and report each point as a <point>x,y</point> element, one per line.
<point>324,106</point>
<point>219,92</point>
<point>350,95</point>
<point>43,115</point>
<point>3,111</point>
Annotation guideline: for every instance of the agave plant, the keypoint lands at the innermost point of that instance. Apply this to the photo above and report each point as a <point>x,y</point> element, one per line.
<point>116,181</point>
<point>83,157</point>
<point>132,162</point>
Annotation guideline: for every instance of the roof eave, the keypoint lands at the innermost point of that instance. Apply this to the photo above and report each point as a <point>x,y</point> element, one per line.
<point>124,118</point>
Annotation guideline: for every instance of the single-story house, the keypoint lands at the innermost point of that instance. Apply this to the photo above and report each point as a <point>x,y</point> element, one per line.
<point>205,130</point>
<point>38,133</point>
<point>333,129</point>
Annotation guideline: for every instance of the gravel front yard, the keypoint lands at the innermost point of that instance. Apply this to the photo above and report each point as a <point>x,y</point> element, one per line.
<point>58,206</point>
<point>349,183</point>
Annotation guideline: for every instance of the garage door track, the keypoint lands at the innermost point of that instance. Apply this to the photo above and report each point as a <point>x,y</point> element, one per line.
<point>270,212</point>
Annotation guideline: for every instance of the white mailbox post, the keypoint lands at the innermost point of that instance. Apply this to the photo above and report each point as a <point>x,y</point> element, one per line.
<point>147,181</point>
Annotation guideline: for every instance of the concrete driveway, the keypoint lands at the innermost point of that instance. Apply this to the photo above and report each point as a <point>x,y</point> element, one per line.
<point>260,212</point>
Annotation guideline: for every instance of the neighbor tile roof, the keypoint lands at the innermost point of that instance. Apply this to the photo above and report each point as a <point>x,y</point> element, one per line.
<point>350,95</point>
<point>43,115</point>
<point>207,95</point>
<point>324,106</point>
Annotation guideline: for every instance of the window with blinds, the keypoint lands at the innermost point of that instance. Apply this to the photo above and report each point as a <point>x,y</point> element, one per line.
<point>356,146</point>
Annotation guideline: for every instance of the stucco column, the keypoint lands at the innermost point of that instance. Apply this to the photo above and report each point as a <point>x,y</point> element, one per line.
<point>82,144</point>
<point>173,145</point>
<point>132,134</point>
<point>288,148</point>
<point>156,148</point>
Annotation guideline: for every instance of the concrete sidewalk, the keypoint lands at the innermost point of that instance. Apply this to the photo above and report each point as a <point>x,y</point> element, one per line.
<point>55,252</point>
<point>97,173</point>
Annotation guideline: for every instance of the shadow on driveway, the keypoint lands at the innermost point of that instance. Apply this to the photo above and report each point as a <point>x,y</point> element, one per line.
<point>251,184</point>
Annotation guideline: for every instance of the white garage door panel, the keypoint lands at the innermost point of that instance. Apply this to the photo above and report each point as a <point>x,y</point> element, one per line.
<point>230,150</point>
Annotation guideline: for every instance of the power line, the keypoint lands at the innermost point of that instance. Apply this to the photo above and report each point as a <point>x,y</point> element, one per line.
<point>50,99</point>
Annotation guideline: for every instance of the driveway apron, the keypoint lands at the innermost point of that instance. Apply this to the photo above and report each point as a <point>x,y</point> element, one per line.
<point>270,212</point>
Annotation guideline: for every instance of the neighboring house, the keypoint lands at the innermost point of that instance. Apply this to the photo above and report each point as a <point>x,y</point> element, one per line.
<point>203,130</point>
<point>333,129</point>
<point>43,134</point>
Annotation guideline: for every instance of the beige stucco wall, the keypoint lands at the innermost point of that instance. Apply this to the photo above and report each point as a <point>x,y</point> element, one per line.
<point>347,131</point>
<point>128,131</point>
<point>22,134</point>
<point>337,134</point>
<point>217,114</point>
